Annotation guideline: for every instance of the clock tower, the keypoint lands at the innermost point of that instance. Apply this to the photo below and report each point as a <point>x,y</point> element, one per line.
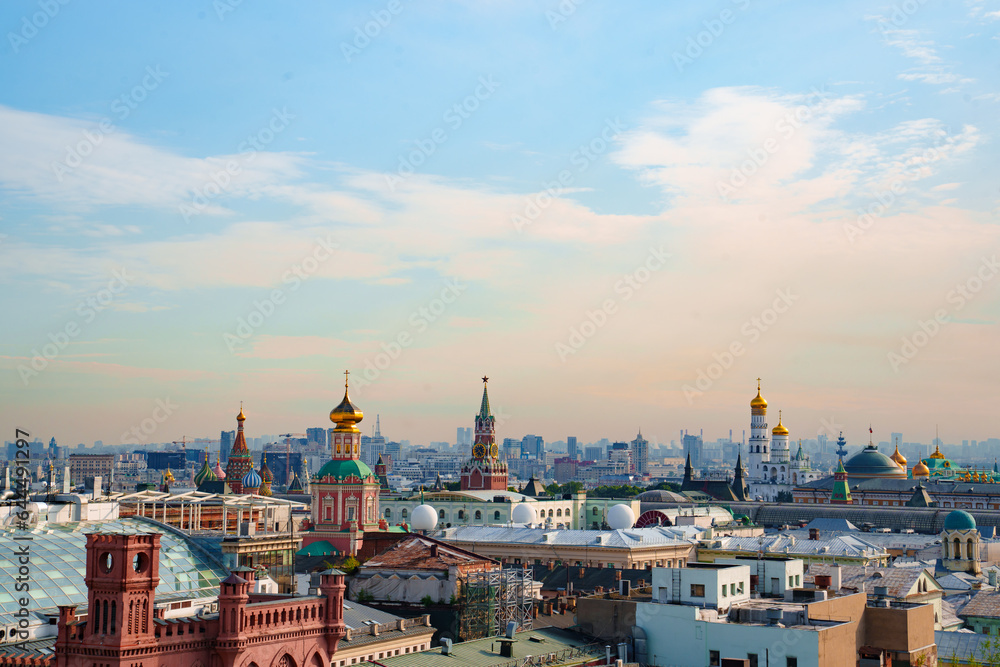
<point>485,471</point>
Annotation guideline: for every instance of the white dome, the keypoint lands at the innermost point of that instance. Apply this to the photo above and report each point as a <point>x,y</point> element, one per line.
<point>621,517</point>
<point>523,513</point>
<point>424,518</point>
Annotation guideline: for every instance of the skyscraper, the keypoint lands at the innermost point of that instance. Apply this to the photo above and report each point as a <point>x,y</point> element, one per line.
<point>533,446</point>
<point>640,454</point>
<point>317,436</point>
<point>226,440</point>
<point>571,447</point>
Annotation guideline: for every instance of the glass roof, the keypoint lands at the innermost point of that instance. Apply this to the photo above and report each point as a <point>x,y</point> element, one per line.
<point>58,564</point>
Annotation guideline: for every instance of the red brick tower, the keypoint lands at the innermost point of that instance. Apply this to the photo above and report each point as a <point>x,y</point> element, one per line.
<point>485,470</point>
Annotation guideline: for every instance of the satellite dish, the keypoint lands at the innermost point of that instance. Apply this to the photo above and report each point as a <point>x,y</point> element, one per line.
<point>621,517</point>
<point>424,518</point>
<point>523,513</point>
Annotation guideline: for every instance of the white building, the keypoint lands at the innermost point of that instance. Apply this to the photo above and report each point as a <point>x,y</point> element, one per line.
<point>771,467</point>
<point>711,585</point>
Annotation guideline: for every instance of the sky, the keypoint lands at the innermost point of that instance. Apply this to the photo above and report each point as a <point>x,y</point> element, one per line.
<point>623,214</point>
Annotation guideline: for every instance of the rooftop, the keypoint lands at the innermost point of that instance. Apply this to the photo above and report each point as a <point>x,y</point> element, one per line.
<point>423,553</point>
<point>630,538</point>
<point>486,652</point>
<point>984,604</point>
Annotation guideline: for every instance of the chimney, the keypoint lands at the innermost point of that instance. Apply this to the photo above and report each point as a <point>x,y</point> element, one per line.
<point>445,646</point>
<point>835,577</point>
<point>823,581</point>
<point>814,533</point>
<point>551,565</point>
<point>583,571</point>
<point>618,575</point>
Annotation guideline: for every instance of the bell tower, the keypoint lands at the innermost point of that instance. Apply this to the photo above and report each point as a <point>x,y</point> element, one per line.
<point>121,576</point>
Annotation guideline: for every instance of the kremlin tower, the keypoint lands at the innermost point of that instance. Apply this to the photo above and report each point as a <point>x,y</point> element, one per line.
<point>345,490</point>
<point>484,471</point>
<point>239,463</point>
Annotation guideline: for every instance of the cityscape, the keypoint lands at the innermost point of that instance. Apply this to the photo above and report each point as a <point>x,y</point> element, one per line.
<point>509,334</point>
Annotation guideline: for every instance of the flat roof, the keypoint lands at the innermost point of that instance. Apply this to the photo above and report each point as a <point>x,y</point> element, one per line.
<point>486,652</point>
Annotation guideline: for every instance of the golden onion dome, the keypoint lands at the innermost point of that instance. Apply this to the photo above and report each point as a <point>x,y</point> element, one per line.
<point>899,458</point>
<point>758,400</point>
<point>921,470</point>
<point>169,477</point>
<point>346,415</point>
<point>937,453</point>
<point>780,428</point>
<point>241,417</point>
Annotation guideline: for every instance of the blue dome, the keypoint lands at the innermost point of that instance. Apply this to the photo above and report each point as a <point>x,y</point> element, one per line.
<point>959,520</point>
<point>251,480</point>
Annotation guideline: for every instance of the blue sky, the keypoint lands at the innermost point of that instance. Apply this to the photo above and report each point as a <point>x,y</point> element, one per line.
<point>643,205</point>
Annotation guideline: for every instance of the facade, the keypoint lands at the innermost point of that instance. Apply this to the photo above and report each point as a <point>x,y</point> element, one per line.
<point>83,468</point>
<point>713,586</point>
<point>485,471</point>
<point>960,543</point>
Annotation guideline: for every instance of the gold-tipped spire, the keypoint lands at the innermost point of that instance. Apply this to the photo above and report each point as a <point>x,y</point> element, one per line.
<point>758,401</point>
<point>241,417</point>
<point>346,415</point>
<point>899,458</point>
<point>780,428</point>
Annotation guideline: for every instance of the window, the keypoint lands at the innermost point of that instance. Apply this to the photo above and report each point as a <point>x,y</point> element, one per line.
<point>732,589</point>
<point>388,513</point>
<point>559,512</point>
<point>461,514</point>
<point>752,659</point>
<point>798,580</point>
<point>350,514</point>
<point>440,514</point>
<point>791,662</point>
<point>791,581</point>
<point>724,591</point>
<point>713,658</point>
<point>496,515</point>
<point>479,515</point>
<point>403,514</point>
<point>697,590</point>
<point>595,512</point>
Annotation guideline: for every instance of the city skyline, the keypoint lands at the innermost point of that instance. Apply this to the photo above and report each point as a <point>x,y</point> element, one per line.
<point>644,208</point>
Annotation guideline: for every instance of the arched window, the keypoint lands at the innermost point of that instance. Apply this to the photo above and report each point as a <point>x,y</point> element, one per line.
<point>550,514</point>
<point>595,511</point>
<point>479,515</point>
<point>969,551</point>
<point>496,515</point>
<point>388,513</point>
<point>441,514</point>
<point>403,513</point>
<point>461,514</point>
<point>957,551</point>
<point>559,512</point>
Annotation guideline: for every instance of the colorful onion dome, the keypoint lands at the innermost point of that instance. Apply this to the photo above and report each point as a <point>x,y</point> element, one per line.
<point>252,480</point>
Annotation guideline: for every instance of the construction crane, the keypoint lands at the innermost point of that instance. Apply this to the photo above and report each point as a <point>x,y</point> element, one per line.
<point>288,454</point>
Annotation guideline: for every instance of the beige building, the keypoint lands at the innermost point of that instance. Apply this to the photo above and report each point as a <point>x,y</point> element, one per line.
<point>633,548</point>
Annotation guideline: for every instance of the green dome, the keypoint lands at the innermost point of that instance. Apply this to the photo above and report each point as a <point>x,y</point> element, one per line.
<point>959,520</point>
<point>343,468</point>
<point>871,463</point>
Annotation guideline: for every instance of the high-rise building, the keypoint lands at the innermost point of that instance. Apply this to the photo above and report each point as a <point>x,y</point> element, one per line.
<point>571,447</point>
<point>316,437</point>
<point>226,440</point>
<point>533,446</point>
<point>511,448</point>
<point>640,455</point>
<point>692,448</point>
<point>594,453</point>
<point>463,436</point>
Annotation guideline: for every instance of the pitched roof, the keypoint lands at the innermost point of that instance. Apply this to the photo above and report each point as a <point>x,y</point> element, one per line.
<point>900,581</point>
<point>962,645</point>
<point>418,552</point>
<point>610,539</point>
<point>984,604</point>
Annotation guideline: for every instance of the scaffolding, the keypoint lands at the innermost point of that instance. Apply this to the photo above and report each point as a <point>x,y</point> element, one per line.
<point>494,598</point>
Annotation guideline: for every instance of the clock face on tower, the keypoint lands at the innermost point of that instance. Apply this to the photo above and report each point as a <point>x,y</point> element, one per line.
<point>479,450</point>
<point>494,450</point>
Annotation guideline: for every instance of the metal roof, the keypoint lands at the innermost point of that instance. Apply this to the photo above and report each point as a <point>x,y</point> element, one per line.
<point>984,604</point>
<point>630,538</point>
<point>961,645</point>
<point>842,545</point>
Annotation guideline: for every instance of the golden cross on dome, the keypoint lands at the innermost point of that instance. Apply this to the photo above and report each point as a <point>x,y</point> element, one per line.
<point>346,373</point>
<point>758,384</point>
